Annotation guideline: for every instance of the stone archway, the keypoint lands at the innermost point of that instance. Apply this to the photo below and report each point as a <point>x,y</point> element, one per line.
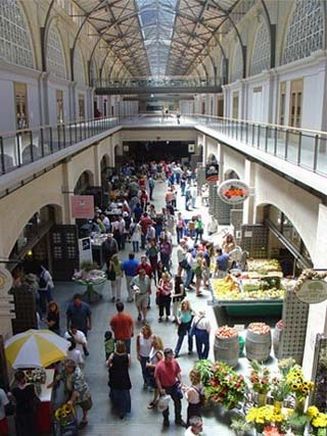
<point>85,180</point>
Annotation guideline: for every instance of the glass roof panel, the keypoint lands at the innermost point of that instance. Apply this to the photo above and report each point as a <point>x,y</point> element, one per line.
<point>157,18</point>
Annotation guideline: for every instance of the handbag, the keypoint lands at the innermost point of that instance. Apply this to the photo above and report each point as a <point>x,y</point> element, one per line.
<point>111,275</point>
<point>185,265</point>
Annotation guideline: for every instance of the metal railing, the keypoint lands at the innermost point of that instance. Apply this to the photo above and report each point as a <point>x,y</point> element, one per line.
<point>303,147</point>
<point>21,147</point>
<point>163,82</point>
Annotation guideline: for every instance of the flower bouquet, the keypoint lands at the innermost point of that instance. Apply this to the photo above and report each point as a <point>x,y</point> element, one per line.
<point>225,386</point>
<point>318,421</point>
<point>37,375</point>
<point>298,386</point>
<point>65,414</point>
<point>260,380</point>
<point>265,416</point>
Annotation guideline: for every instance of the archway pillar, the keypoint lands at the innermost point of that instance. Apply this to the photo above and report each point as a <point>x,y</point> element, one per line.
<point>317,320</point>
<point>97,165</point>
<point>249,204</point>
<point>204,148</point>
<point>67,192</point>
<point>221,152</point>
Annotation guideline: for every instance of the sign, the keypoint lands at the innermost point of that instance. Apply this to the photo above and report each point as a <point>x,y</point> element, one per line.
<point>212,172</point>
<point>191,148</point>
<point>313,291</point>
<point>6,282</point>
<point>233,191</point>
<point>82,206</point>
<point>85,250</point>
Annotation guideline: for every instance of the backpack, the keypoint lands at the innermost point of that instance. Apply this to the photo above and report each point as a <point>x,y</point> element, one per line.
<point>42,281</point>
<point>202,397</point>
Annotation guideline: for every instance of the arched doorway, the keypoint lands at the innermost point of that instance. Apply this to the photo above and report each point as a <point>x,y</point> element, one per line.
<point>84,182</point>
<point>284,241</point>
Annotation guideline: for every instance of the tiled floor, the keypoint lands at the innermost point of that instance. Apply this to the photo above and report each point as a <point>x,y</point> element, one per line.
<point>101,419</point>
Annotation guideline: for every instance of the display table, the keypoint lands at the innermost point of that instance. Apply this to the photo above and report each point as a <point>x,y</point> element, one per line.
<point>44,411</point>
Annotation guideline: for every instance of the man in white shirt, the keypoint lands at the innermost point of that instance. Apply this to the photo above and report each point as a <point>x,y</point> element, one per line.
<point>79,338</point>
<point>196,426</point>
<point>201,330</point>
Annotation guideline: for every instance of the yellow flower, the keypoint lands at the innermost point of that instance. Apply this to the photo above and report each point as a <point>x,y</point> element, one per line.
<point>312,411</point>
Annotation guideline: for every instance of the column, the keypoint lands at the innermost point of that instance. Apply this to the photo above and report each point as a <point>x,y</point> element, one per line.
<point>67,191</point>
<point>97,169</point>
<point>317,319</point>
<point>249,204</point>
<point>72,101</point>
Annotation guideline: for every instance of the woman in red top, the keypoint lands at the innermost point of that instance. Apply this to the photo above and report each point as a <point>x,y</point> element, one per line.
<point>165,288</point>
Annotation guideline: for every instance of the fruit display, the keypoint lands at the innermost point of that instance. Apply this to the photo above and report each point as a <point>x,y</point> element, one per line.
<point>226,332</point>
<point>248,289</point>
<point>260,328</point>
<point>263,266</point>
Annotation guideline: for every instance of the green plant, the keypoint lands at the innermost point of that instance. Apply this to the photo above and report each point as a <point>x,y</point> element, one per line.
<point>279,389</point>
<point>205,368</point>
<point>260,378</point>
<point>88,266</point>
<point>240,425</point>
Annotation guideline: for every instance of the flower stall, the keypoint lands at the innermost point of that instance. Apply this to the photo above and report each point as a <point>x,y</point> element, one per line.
<point>90,276</point>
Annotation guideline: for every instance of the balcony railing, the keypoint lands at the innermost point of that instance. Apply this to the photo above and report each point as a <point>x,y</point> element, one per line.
<point>302,147</point>
<point>24,146</point>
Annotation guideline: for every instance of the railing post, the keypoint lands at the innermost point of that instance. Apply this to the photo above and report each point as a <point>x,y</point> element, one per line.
<point>299,149</point>
<point>42,141</point>
<point>70,134</point>
<point>80,131</point>
<point>31,145</point>
<point>3,166</point>
<point>58,136</point>
<point>241,133</point>
<point>266,139</point>
<point>258,139</point>
<point>253,135</point>
<point>315,156</point>
<point>18,136</point>
<point>286,145</point>
<point>275,141</point>
<point>246,132</point>
<point>51,142</point>
<point>64,134</point>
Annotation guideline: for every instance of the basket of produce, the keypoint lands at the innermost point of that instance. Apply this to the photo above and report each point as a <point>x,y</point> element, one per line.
<point>226,346</point>
<point>258,341</point>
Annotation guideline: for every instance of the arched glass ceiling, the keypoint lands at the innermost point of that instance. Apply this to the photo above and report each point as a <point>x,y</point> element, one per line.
<point>157,19</point>
<point>161,37</point>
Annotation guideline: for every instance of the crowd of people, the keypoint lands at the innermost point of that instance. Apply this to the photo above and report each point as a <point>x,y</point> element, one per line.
<point>153,277</point>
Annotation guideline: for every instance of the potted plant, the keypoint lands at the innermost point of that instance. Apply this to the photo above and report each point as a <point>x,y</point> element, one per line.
<point>299,387</point>
<point>266,416</point>
<point>318,421</point>
<point>260,380</point>
<point>240,426</point>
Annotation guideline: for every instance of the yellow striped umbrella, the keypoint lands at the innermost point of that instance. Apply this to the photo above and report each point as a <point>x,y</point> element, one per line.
<point>35,348</point>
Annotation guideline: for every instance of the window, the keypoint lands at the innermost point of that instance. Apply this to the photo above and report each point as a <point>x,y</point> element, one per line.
<point>305,31</point>
<point>79,72</point>
<point>55,54</point>
<point>81,106</point>
<point>60,105</point>
<point>296,103</point>
<point>15,44</point>
<point>237,65</point>
<point>282,103</point>
<point>261,51</point>
<point>20,90</point>
<point>235,105</point>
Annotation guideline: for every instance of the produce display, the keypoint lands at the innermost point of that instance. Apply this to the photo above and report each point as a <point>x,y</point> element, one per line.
<point>226,332</point>
<point>260,328</point>
<point>229,288</point>
<point>263,266</point>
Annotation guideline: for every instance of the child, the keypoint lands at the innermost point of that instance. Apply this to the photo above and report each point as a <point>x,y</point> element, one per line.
<point>109,344</point>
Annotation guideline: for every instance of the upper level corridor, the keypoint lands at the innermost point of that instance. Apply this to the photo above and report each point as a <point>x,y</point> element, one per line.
<point>299,153</point>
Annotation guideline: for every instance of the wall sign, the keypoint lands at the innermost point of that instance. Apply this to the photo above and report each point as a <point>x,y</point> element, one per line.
<point>312,291</point>
<point>6,282</point>
<point>212,172</point>
<point>233,191</point>
<point>82,206</point>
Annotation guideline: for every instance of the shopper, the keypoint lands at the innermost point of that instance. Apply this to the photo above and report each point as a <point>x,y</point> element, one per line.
<point>178,295</point>
<point>114,274</point>
<point>135,234</point>
<point>119,380</point>
<point>45,288</point>
<point>4,401</point>
<point>109,344</point>
<point>79,315</point>
<point>26,402</point>
<point>164,291</point>
<point>53,317</point>
<point>194,395</point>
<point>168,378</point>
<point>201,330</point>
<point>75,354</point>
<point>141,285</point>
<point>196,426</point>
<point>184,321</point>
<point>109,247</point>
<point>79,338</point>
<point>143,348</point>
<point>155,355</point>
<point>122,326</point>
<point>130,269</point>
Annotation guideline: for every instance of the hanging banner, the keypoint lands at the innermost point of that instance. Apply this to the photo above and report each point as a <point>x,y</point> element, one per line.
<point>212,172</point>
<point>233,191</point>
<point>85,250</point>
<point>312,291</point>
<point>82,206</point>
